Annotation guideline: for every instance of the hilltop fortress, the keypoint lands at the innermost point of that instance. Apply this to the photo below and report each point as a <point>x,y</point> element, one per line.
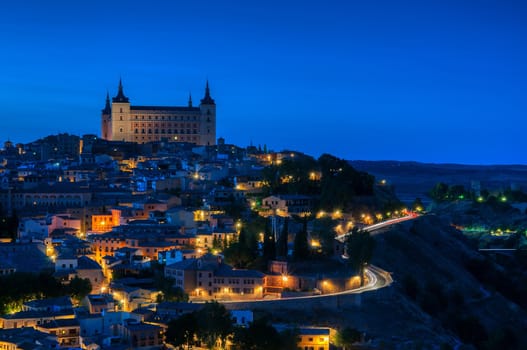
<point>120,121</point>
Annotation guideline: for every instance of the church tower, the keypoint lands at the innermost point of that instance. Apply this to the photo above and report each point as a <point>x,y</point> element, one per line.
<point>207,109</point>
<point>106,120</point>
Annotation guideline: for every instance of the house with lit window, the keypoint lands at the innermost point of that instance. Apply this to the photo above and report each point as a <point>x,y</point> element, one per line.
<point>290,204</point>
<point>67,331</point>
<point>209,277</point>
<point>26,338</point>
<point>313,338</point>
<point>138,335</point>
<point>33,318</point>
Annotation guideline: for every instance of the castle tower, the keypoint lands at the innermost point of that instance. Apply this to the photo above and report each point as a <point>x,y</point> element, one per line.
<point>120,121</point>
<point>208,118</point>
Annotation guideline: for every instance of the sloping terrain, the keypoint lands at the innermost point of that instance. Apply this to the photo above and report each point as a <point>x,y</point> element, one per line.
<point>442,296</point>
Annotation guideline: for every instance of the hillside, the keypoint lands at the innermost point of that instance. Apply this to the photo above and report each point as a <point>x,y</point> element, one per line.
<point>438,270</point>
<point>440,297</point>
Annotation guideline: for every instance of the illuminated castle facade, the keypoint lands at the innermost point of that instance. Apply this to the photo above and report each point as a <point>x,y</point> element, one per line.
<point>121,121</point>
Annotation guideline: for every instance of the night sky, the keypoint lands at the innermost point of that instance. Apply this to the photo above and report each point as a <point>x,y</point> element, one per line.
<point>435,81</point>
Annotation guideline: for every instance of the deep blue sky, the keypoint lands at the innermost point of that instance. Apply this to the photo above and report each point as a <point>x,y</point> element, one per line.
<point>435,81</point>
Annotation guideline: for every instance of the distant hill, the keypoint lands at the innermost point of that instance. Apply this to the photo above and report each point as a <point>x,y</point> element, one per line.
<point>414,179</point>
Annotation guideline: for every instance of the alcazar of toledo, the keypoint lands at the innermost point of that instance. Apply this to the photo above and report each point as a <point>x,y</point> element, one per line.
<point>124,122</point>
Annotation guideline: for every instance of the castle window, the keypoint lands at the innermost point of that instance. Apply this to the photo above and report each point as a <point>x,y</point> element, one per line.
<point>136,131</point>
<point>142,117</point>
<point>188,131</point>
<point>163,118</point>
<point>156,117</point>
<point>121,118</point>
<point>169,131</point>
<point>156,131</point>
<point>162,131</point>
<point>142,131</point>
<point>195,131</point>
<point>120,110</point>
<point>120,129</point>
<point>149,117</point>
<point>149,131</point>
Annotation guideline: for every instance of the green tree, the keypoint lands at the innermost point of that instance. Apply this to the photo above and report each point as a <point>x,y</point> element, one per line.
<point>289,339</point>
<point>457,192</point>
<point>260,335</point>
<point>225,243</point>
<point>169,292</point>
<point>323,230</point>
<point>346,337</point>
<point>439,192</point>
<point>182,330</point>
<point>242,253</point>
<point>359,248</point>
<point>78,288</point>
<point>9,226</point>
<point>216,243</point>
<point>239,255</point>
<point>215,324</point>
<point>418,205</point>
<point>281,245</point>
<point>269,247</point>
<point>301,246</point>
<point>341,183</point>
<point>20,287</point>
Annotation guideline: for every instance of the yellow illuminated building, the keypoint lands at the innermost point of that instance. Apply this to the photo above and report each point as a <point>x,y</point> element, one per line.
<point>121,121</point>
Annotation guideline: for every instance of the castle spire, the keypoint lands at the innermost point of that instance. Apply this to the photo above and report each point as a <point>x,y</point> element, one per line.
<point>189,99</point>
<point>207,100</point>
<point>107,108</point>
<point>120,94</point>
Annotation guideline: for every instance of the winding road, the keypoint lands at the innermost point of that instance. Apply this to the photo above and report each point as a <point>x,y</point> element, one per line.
<point>377,279</point>
<point>381,225</point>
